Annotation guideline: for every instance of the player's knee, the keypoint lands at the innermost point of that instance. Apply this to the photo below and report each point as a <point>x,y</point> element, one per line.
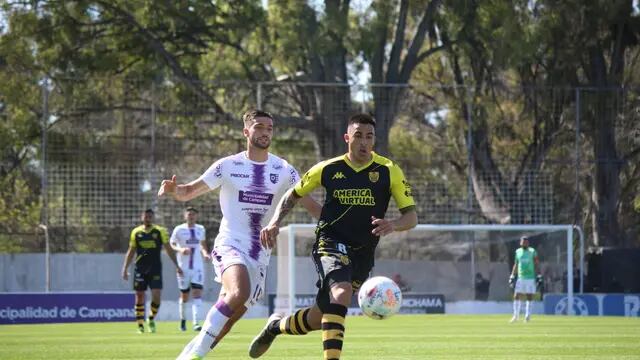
<point>341,293</point>
<point>237,295</point>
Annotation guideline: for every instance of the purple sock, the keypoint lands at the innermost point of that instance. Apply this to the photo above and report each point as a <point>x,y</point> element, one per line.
<point>224,308</point>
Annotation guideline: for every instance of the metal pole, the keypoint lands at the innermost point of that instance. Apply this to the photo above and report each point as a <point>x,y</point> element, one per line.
<point>47,259</point>
<point>577,157</point>
<point>470,167</point>
<point>570,271</point>
<point>470,170</point>
<point>581,264</point>
<point>44,215</point>
<point>473,265</point>
<point>292,268</point>
<point>154,199</point>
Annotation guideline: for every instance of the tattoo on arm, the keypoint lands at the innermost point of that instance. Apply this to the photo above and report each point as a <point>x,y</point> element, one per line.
<point>289,200</point>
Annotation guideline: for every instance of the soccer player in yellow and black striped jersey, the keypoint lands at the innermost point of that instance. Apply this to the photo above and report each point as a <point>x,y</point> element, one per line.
<point>145,243</point>
<point>358,188</point>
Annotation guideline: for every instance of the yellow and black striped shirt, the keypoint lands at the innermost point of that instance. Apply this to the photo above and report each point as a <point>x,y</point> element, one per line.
<point>353,195</point>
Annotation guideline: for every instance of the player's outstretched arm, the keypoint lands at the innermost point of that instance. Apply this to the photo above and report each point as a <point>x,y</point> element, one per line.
<point>408,220</point>
<point>127,261</point>
<point>172,256</point>
<point>269,234</point>
<point>204,250</point>
<point>182,192</point>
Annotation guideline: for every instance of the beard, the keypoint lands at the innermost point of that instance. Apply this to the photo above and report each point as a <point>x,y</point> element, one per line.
<point>260,145</point>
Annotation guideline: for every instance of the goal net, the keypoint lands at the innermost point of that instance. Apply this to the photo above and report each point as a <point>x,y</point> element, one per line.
<point>456,264</point>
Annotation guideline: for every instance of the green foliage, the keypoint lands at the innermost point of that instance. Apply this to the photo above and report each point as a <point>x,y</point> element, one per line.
<point>19,213</point>
<point>108,61</point>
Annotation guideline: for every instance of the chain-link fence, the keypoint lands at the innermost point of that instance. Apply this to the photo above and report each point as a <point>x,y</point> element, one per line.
<point>514,155</point>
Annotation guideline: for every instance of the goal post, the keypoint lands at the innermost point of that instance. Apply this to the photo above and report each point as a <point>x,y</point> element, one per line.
<point>447,248</point>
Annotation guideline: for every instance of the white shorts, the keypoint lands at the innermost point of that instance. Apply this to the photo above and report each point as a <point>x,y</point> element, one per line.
<point>190,276</point>
<point>224,256</point>
<point>525,286</point>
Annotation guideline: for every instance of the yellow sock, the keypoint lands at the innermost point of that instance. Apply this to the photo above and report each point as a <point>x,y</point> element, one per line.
<point>333,331</point>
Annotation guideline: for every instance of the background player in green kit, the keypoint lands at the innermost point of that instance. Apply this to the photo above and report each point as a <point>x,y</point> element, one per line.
<point>146,243</point>
<point>528,270</point>
<point>358,185</point>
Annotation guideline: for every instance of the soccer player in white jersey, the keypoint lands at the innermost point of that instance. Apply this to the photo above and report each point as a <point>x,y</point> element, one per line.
<point>251,184</point>
<point>189,242</point>
<point>528,278</point>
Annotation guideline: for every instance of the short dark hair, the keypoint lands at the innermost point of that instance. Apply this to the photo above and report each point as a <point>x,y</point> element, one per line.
<point>148,211</point>
<point>362,118</point>
<point>191,208</point>
<point>252,114</point>
<point>524,237</point>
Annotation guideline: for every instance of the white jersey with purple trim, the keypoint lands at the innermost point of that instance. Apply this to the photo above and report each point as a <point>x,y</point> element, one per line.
<point>185,236</point>
<point>249,194</point>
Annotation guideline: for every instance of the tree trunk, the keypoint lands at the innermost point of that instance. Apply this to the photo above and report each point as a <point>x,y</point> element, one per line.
<point>387,100</point>
<point>606,184</point>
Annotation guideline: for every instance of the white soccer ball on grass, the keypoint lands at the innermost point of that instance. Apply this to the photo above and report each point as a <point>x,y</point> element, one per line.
<point>379,297</point>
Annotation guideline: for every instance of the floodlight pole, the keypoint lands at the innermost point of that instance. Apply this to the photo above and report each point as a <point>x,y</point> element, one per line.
<point>47,258</point>
<point>44,214</point>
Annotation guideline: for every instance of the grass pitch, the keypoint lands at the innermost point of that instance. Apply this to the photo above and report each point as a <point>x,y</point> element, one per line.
<point>400,337</point>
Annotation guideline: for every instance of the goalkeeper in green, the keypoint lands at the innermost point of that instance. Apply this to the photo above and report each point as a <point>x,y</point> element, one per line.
<point>528,278</point>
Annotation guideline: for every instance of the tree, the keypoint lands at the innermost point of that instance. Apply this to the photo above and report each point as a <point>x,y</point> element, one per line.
<point>315,45</point>
<point>535,46</point>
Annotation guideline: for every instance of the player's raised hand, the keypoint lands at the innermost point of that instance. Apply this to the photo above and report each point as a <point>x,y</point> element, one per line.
<point>381,227</point>
<point>168,186</point>
<point>269,235</point>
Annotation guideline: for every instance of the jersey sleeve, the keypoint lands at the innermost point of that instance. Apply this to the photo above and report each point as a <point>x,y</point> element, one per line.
<point>132,238</point>
<point>213,175</point>
<point>293,176</point>
<point>174,236</point>
<point>401,189</point>
<point>310,180</point>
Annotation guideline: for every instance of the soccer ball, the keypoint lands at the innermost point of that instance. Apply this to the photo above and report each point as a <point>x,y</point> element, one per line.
<point>379,297</point>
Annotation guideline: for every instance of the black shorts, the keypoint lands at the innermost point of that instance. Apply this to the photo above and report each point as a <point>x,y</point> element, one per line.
<point>337,262</point>
<point>152,280</point>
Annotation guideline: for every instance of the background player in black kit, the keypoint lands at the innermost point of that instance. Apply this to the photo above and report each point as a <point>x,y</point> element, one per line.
<point>358,188</point>
<point>146,243</point>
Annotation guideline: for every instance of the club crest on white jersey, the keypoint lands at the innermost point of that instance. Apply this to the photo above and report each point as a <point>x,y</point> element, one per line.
<point>249,193</point>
